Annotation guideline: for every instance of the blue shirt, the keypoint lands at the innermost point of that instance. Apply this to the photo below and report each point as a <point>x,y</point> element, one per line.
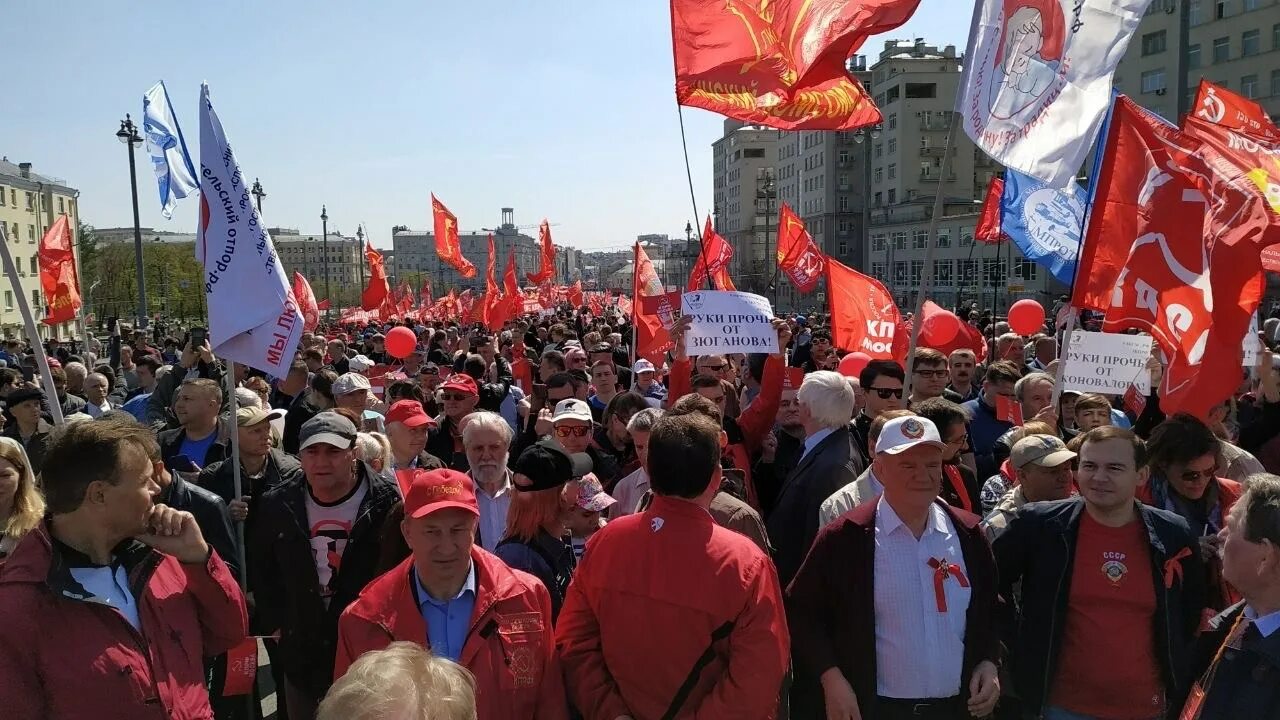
<point>197,449</point>
<point>447,620</point>
<point>137,406</point>
<point>1267,624</point>
<point>812,441</point>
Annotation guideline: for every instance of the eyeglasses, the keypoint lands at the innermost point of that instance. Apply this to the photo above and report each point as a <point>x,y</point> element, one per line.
<point>932,373</point>
<point>564,431</point>
<point>714,368</point>
<point>1190,476</point>
<point>429,371</point>
<point>886,393</point>
<point>455,397</point>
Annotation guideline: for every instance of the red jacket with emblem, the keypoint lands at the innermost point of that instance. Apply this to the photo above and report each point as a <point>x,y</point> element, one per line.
<point>509,647</point>
<point>63,656</point>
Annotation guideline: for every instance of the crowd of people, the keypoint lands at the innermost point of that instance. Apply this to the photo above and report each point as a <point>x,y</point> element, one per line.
<point>534,524</point>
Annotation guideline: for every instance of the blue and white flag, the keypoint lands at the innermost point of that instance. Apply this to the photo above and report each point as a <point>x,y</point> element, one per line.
<point>169,157</point>
<point>1037,79</point>
<point>253,316</point>
<point>1044,222</point>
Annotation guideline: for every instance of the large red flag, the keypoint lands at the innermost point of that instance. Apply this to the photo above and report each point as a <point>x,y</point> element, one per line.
<point>512,298</point>
<point>404,298</point>
<point>377,291</point>
<point>547,272</point>
<point>864,317</point>
<point>780,63</point>
<point>1159,258</point>
<point>575,294</point>
<point>653,334</point>
<point>448,246</point>
<point>713,261</point>
<point>989,230</point>
<point>799,257</point>
<point>425,292</point>
<point>58,272</point>
<point>306,302</point>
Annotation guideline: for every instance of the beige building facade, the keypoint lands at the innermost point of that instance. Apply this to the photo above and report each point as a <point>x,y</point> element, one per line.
<point>29,204</point>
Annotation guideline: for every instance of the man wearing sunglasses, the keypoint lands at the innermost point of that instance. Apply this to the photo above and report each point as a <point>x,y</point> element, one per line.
<point>571,425</point>
<point>460,395</point>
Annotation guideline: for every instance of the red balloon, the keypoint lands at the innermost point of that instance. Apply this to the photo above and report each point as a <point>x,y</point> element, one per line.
<point>1026,317</point>
<point>851,365</point>
<point>400,342</point>
<point>938,327</point>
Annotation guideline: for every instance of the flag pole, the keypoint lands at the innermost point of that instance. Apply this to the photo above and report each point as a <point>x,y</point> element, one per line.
<point>33,337</point>
<point>926,277</point>
<point>693,198</point>
<point>237,483</point>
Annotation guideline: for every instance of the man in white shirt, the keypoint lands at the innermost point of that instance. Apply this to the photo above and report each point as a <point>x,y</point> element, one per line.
<point>486,438</point>
<point>95,395</point>
<point>632,488</point>
<point>893,611</point>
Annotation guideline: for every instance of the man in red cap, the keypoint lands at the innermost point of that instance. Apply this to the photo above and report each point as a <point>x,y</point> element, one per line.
<point>407,427</point>
<point>463,603</point>
<point>460,395</point>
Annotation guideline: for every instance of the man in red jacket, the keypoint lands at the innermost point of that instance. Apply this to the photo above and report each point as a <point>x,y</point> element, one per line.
<point>112,604</point>
<point>463,603</point>
<point>669,614</point>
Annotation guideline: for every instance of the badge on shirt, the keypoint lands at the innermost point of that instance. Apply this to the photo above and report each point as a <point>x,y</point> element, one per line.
<point>1113,567</point>
<point>519,624</point>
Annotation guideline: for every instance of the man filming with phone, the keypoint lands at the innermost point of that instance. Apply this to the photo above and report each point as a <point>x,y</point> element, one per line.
<point>196,361</point>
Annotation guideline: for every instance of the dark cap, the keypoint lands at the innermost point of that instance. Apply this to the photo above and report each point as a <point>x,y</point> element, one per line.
<point>22,395</point>
<point>330,428</point>
<point>601,348</point>
<point>547,465</point>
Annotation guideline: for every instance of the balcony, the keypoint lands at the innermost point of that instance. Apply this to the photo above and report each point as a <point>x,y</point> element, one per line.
<point>933,124</point>
<point>934,176</point>
<point>934,152</point>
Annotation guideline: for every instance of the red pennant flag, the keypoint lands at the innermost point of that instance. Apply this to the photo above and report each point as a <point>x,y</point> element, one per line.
<point>713,261</point>
<point>546,273</point>
<point>864,317</point>
<point>378,291</point>
<point>781,63</point>
<point>306,302</point>
<point>425,292</point>
<point>448,246</point>
<point>989,229</point>
<point>1134,402</point>
<point>575,294</point>
<point>799,257</point>
<point>653,331</point>
<point>1008,409</point>
<point>323,305</point>
<point>1159,258</point>
<point>242,668</point>
<point>404,302</point>
<point>58,278</point>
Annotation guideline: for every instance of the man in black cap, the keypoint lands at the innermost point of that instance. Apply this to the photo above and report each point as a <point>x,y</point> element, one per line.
<point>537,539</point>
<point>26,405</point>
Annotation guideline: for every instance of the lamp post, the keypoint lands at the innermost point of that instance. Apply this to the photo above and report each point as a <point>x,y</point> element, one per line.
<point>360,253</point>
<point>128,134</point>
<point>324,224</point>
<point>860,136</point>
<point>258,193</point>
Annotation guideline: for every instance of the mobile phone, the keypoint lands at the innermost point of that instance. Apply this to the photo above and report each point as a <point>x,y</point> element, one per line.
<point>198,336</point>
<point>540,392</point>
<point>181,463</point>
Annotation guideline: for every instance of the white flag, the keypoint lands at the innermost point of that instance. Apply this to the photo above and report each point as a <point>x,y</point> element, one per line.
<point>169,157</point>
<point>253,316</point>
<point>1037,79</point>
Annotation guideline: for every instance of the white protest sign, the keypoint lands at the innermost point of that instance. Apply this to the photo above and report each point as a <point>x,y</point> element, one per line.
<point>1252,345</point>
<point>728,322</point>
<point>1107,363</point>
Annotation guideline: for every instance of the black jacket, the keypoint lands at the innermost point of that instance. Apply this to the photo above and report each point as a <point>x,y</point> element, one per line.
<point>211,515</point>
<point>440,443</point>
<point>171,442</point>
<point>282,572</point>
<point>37,446</point>
<point>300,411</point>
<point>1038,549</point>
<point>219,479</point>
<point>792,526</point>
<point>1246,682</point>
<point>769,477</point>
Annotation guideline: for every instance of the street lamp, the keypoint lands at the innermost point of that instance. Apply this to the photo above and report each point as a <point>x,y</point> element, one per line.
<point>324,224</point>
<point>767,193</point>
<point>860,136</point>
<point>128,134</point>
<point>258,193</point>
<point>360,252</point>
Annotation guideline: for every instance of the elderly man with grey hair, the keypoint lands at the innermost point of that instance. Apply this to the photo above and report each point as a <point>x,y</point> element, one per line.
<point>632,488</point>
<point>1035,393</point>
<point>96,399</point>
<point>486,438</point>
<point>828,463</point>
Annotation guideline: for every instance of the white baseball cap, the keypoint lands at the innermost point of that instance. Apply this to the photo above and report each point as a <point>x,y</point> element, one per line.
<point>643,366</point>
<point>903,433</point>
<point>571,409</point>
<point>360,363</point>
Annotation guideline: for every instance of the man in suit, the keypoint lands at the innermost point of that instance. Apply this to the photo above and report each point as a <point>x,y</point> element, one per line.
<point>827,464</point>
<point>1239,662</point>
<point>892,614</point>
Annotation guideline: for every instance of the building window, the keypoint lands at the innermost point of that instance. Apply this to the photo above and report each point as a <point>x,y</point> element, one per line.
<point>1221,49</point>
<point>1153,81</point>
<point>843,248</point>
<point>8,299</point>
<point>879,202</point>
<point>944,238</point>
<point>893,171</point>
<point>1026,269</point>
<point>966,237</point>
<point>843,157</point>
<point>35,265</point>
<point>1275,83</point>
<point>31,201</point>
<point>1220,9</point>
<point>843,203</point>
<point>1,197</point>
<point>35,299</point>
<point>900,273</point>
<point>968,271</point>
<point>1250,5</point>
<point>13,197</point>
<point>31,233</point>
<point>877,270</point>
<point>61,207</point>
<point>1249,86</point>
<point>842,181</point>
<point>919,239</point>
<point>893,122</point>
<point>900,240</point>
<point>1153,43</point>
<point>993,272</point>
<point>878,242</point>
<point>879,175</point>
<point>1193,56</point>
<point>893,196</point>
<point>893,145</point>
<point>942,272</point>
<point>1250,42</point>
<point>1275,36</point>
<point>917,269</point>
<point>879,150</point>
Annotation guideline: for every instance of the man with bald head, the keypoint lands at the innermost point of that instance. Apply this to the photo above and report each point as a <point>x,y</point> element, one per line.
<point>97,402</point>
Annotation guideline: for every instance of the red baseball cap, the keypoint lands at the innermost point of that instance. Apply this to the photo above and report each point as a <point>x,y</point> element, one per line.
<point>461,382</point>
<point>410,413</point>
<point>432,490</point>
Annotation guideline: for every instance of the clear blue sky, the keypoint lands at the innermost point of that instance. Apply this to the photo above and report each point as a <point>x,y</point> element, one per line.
<point>558,109</point>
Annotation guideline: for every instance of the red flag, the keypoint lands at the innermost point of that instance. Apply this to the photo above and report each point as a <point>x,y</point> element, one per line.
<point>425,292</point>
<point>989,230</point>
<point>242,668</point>
<point>58,273</point>
<point>404,300</point>
<point>377,292</point>
<point>798,255</point>
<point>306,302</point>
<point>864,317</point>
<point>575,294</point>
<point>1218,106</point>
<point>653,335</point>
<point>945,332</point>
<point>511,294</point>
<point>547,272</point>
<point>323,305</point>
<point>1134,402</point>
<point>713,261</point>
<point>782,63</point>
<point>1008,409</point>
<point>448,246</point>
<point>1158,258</point>
<point>595,301</point>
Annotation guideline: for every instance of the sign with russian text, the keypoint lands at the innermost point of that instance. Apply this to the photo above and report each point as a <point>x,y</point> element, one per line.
<point>728,322</point>
<point>1107,363</point>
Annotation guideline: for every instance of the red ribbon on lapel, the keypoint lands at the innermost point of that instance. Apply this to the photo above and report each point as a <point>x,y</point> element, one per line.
<point>941,571</point>
<point>1173,567</point>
